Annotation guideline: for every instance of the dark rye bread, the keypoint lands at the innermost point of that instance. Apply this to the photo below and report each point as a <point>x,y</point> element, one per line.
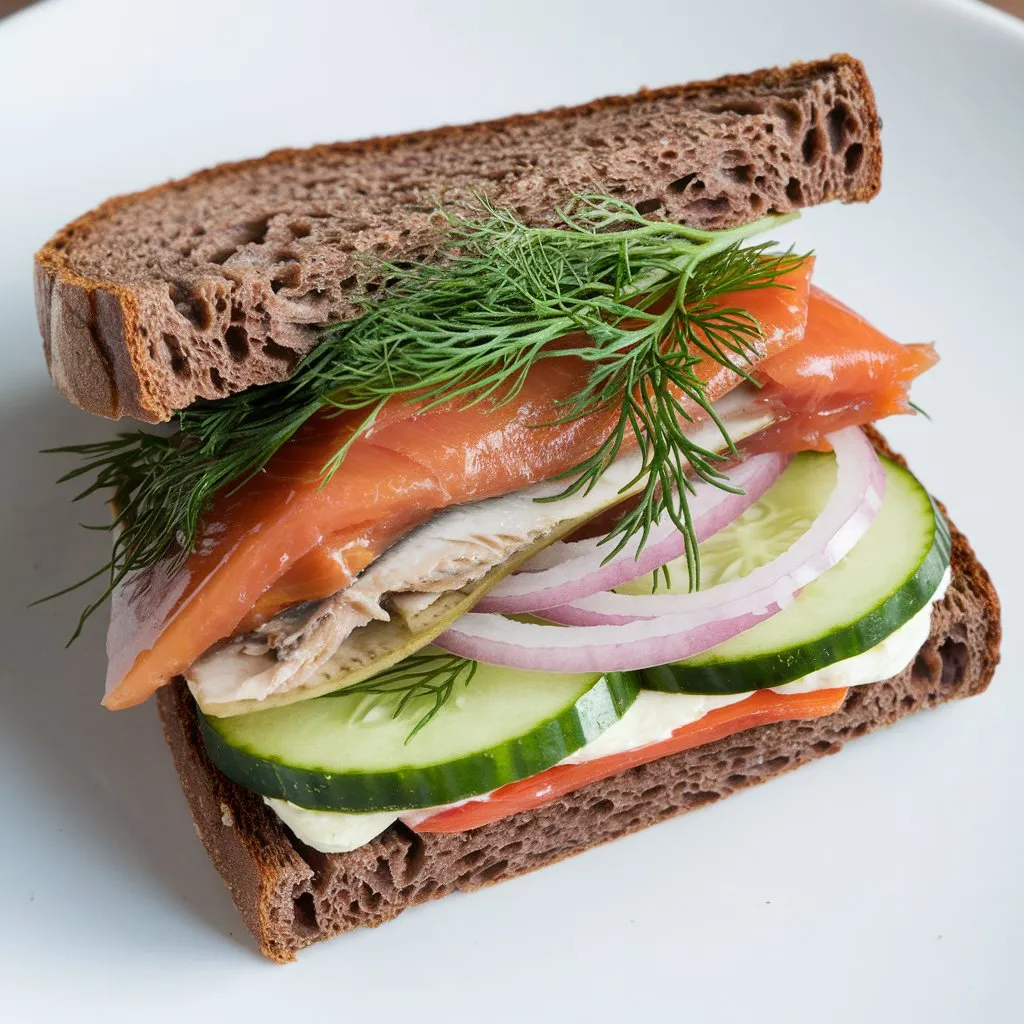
<point>208,285</point>
<point>290,895</point>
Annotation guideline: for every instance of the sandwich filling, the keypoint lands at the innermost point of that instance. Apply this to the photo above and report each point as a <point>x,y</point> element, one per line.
<point>644,733</point>
<point>284,541</point>
<point>572,499</point>
<point>455,548</point>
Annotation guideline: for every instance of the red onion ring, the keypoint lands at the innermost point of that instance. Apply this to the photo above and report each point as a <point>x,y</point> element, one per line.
<point>578,569</point>
<point>850,510</point>
<point>688,624</point>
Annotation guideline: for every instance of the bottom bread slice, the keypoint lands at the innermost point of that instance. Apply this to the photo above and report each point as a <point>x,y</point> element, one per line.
<point>290,895</point>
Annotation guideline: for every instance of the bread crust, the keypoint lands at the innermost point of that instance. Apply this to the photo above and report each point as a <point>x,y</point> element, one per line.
<point>93,330</point>
<point>290,896</point>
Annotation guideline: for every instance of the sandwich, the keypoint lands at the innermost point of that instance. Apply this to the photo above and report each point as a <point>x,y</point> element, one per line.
<point>519,491</point>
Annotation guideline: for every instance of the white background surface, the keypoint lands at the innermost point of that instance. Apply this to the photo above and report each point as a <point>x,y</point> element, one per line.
<point>883,884</point>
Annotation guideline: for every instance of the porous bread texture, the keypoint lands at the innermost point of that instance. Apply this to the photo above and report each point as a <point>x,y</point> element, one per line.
<point>209,285</point>
<point>290,895</point>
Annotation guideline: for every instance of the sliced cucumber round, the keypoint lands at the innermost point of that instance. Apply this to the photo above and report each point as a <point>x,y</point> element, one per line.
<point>358,751</point>
<point>882,583</point>
<point>763,532</point>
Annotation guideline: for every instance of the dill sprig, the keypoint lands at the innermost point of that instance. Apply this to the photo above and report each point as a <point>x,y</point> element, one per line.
<point>429,675</point>
<point>636,296</point>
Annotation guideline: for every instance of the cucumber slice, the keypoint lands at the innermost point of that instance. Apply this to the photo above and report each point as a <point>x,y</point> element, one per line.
<point>767,529</point>
<point>886,579</point>
<point>354,752</point>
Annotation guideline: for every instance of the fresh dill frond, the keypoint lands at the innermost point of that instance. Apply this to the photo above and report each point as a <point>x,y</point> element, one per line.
<point>639,295</point>
<point>426,676</point>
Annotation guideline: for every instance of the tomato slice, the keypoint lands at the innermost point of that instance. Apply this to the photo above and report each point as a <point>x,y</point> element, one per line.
<point>760,708</point>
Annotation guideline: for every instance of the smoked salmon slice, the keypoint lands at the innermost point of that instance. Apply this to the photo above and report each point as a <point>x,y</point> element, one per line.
<point>845,373</point>
<point>760,708</point>
<point>270,542</point>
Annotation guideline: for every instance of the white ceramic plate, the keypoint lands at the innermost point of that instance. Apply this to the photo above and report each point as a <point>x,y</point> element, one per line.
<point>884,884</point>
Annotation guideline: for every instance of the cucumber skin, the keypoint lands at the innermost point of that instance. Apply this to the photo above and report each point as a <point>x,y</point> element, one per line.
<point>431,785</point>
<point>779,668</point>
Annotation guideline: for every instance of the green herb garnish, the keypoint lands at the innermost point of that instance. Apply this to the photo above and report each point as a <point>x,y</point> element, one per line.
<point>422,676</point>
<point>469,325</point>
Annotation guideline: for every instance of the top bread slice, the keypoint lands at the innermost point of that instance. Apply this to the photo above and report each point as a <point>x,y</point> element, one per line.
<point>209,285</point>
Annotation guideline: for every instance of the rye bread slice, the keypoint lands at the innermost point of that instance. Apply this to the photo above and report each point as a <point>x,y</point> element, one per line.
<point>208,285</point>
<point>290,895</point>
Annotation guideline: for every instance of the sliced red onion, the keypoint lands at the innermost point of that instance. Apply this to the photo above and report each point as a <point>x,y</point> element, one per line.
<point>583,613</point>
<point>499,641</point>
<point>850,510</point>
<point>688,624</point>
<point>578,570</point>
